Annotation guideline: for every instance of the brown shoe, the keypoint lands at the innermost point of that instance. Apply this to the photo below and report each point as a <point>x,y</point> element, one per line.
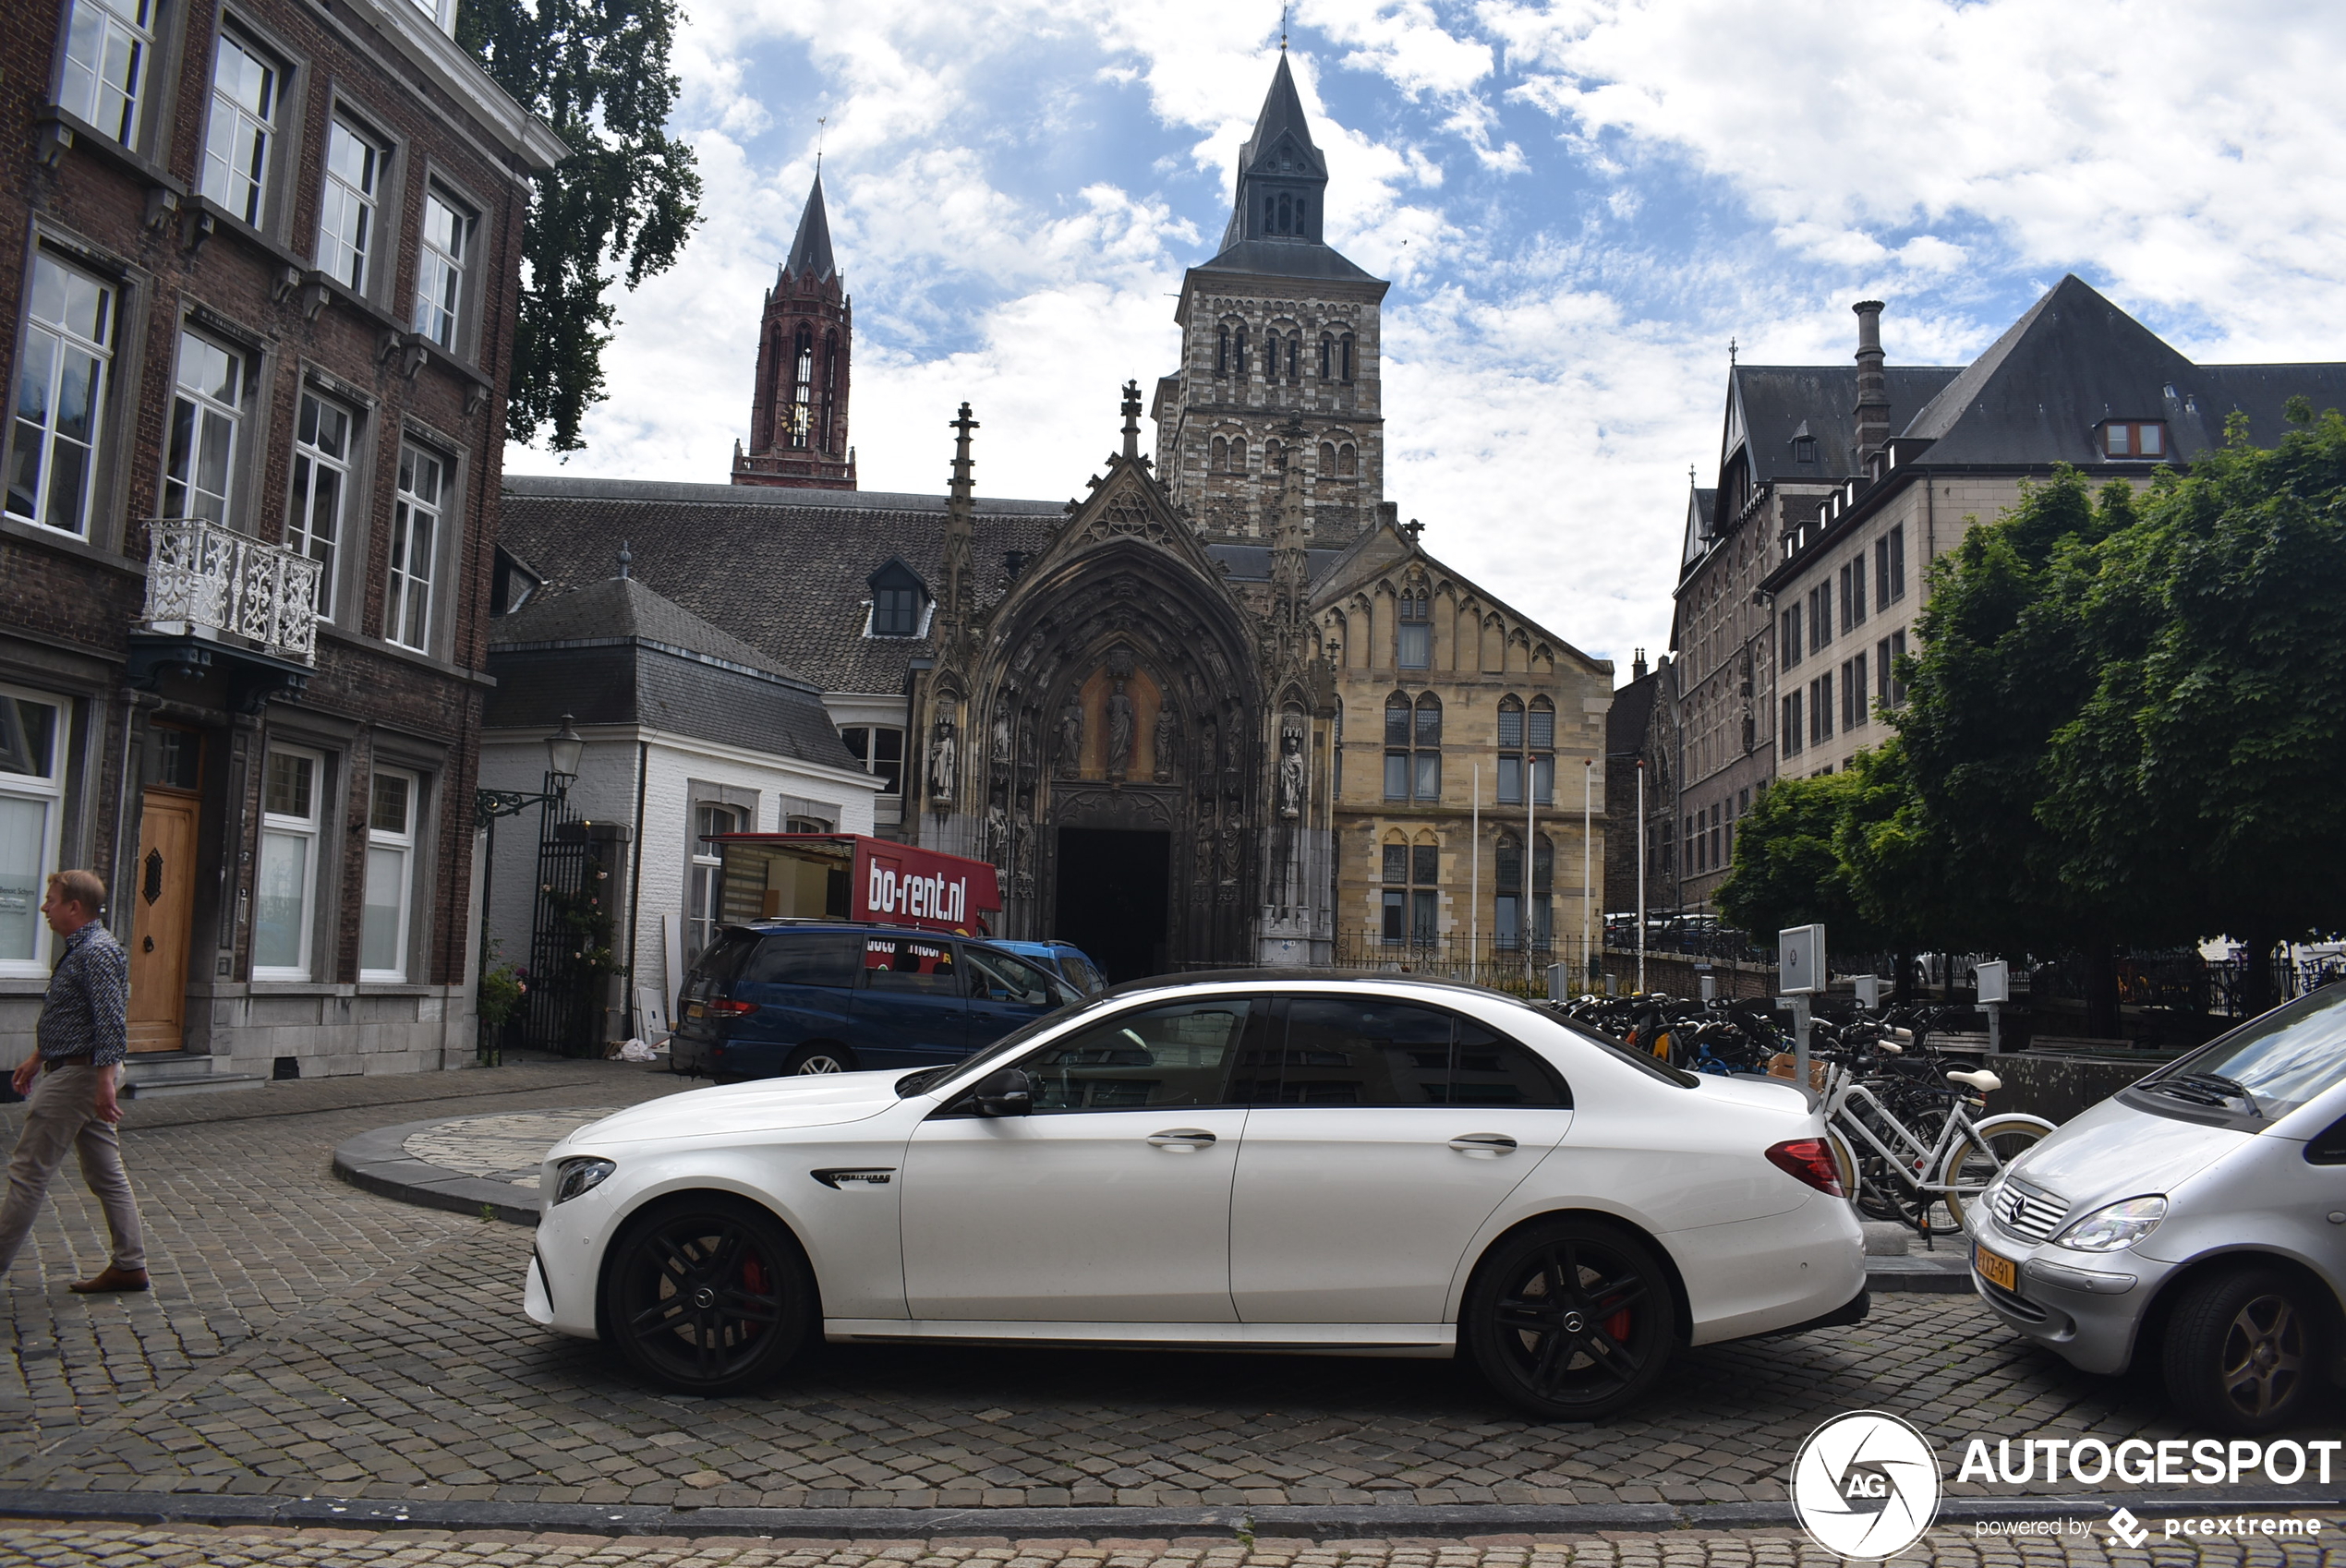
<point>110,1278</point>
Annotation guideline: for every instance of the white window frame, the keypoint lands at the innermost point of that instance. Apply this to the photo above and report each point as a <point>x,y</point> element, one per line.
<point>239,138</point>
<point>204,410</point>
<point>110,48</point>
<point>306,831</point>
<point>440,268</point>
<point>45,793</point>
<point>348,211</point>
<point>441,12</point>
<point>312,458</point>
<point>397,846</point>
<point>51,347</point>
<point>705,878</point>
<point>407,608</point>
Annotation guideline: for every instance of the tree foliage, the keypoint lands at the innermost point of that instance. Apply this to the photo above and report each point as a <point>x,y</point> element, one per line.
<point>1787,869</point>
<point>617,209</point>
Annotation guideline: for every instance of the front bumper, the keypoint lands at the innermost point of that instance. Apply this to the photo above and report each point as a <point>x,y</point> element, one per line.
<point>2085,1306</point>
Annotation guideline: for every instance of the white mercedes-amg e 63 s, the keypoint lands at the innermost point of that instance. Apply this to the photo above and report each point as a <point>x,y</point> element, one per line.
<point>1259,1161</point>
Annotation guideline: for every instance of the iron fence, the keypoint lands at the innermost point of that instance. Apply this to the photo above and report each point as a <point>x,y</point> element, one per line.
<point>1504,963</point>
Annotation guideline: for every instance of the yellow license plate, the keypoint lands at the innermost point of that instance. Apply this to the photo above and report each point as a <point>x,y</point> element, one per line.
<point>1994,1270</point>
<point>693,1009</point>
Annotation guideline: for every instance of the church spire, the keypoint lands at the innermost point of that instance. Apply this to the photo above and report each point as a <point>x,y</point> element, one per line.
<point>1282,175</point>
<point>810,252</point>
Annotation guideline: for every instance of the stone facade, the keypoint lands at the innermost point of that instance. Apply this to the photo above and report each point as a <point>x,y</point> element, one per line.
<point>272,770</point>
<point>805,356</point>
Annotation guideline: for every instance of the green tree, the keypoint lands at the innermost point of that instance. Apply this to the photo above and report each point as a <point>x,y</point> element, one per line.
<point>618,207</point>
<point>1788,868</point>
<point>2197,787</point>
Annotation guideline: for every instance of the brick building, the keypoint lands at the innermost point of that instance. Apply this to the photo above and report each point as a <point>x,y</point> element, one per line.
<point>259,276</point>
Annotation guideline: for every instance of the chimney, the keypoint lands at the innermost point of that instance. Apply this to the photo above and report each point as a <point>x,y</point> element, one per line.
<point>1873,386</point>
<point>1637,666</point>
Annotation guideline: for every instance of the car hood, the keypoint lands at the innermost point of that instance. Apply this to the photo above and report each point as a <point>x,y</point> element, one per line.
<point>2114,1150</point>
<point>771,1104</point>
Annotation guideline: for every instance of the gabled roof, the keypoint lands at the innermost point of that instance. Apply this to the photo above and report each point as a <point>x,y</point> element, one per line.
<point>1283,158</point>
<point>1385,546</point>
<point>781,568</point>
<point>2075,361</point>
<point>1282,115</point>
<point>811,251</point>
<point>1768,406</point>
<point>619,608</point>
<point>1701,508</point>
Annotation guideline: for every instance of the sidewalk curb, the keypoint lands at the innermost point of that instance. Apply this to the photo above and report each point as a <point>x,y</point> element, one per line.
<point>1354,1523</point>
<point>379,1163</point>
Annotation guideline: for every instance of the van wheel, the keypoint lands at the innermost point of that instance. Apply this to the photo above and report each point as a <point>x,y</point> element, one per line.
<point>2240,1354</point>
<point>818,1059</point>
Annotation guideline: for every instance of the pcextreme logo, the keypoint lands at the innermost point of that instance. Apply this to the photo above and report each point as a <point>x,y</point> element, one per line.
<point>1866,1485</point>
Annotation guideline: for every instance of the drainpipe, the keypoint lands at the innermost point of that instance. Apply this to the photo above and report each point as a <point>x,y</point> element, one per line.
<point>636,884</point>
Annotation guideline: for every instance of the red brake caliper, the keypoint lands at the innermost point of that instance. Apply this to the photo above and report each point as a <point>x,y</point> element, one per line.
<point>753,1283</point>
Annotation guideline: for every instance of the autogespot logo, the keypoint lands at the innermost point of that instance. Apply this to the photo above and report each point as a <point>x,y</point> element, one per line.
<point>1865,1486</point>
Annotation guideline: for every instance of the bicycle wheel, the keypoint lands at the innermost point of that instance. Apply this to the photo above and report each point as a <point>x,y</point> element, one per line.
<point>1985,1152</point>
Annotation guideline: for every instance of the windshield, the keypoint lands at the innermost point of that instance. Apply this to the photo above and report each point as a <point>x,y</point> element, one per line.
<point>2273,1063</point>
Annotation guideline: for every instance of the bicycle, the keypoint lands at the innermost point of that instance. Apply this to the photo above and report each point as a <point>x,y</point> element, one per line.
<point>1935,1155</point>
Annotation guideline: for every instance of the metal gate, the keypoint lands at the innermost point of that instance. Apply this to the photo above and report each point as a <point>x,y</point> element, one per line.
<point>567,928</point>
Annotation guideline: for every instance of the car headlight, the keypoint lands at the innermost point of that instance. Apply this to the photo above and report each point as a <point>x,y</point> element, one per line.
<point>577,1176</point>
<point>2114,1225</point>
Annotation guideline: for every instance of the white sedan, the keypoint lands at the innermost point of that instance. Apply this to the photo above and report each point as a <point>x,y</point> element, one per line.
<point>1380,1166</point>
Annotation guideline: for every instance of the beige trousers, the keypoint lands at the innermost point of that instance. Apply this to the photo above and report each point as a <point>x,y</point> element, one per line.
<point>61,1114</point>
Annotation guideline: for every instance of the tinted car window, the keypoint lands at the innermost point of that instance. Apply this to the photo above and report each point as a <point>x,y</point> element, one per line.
<point>1346,1051</point>
<point>998,977</point>
<point>716,968</point>
<point>798,957</point>
<point>911,965</point>
<point>1161,1056</point>
<point>1487,1068</point>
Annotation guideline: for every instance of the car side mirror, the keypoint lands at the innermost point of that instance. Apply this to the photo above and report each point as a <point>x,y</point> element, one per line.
<point>1009,1092</point>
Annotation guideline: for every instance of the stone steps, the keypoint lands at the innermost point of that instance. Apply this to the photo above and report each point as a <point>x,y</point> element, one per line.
<point>152,1075</point>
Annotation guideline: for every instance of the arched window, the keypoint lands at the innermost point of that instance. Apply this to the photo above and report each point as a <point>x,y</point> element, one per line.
<point>1221,458</point>
<point>830,391</point>
<point>1348,461</point>
<point>1540,741</point>
<point>1510,751</point>
<point>1238,351</point>
<point>1295,357</point>
<point>1506,901</point>
<point>1287,216</point>
<point>1270,356</point>
<point>1270,215</point>
<point>1344,346</point>
<point>1237,454</point>
<point>802,389</point>
<point>1327,459</point>
<point>1222,351</point>
<point>1412,748</point>
<point>1415,635</point>
<point>1429,720</point>
<point>1327,354</point>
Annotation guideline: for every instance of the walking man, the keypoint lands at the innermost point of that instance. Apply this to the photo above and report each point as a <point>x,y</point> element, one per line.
<point>82,1040</point>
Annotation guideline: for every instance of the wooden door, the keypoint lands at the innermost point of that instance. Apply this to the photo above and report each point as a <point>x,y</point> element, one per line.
<point>162,898</point>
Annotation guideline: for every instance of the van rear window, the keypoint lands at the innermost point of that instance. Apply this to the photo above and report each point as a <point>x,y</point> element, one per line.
<point>713,974</point>
<point>803,957</point>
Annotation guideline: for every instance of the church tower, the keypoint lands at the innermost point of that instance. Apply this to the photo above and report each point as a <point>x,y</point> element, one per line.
<point>1277,332</point>
<point>798,410</point>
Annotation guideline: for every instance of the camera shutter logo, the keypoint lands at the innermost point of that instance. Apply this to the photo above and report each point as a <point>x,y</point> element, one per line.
<point>1865,1486</point>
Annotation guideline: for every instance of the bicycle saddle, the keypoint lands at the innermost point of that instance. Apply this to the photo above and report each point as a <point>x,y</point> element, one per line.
<point>1983,1080</point>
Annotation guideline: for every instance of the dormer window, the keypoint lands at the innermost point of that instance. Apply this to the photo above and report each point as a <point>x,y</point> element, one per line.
<point>2136,440</point>
<point>897,600</point>
<point>1804,449</point>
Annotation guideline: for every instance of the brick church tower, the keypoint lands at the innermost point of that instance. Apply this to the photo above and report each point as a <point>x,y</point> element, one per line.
<point>798,411</point>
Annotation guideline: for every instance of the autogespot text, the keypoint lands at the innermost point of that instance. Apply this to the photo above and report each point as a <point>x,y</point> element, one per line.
<point>2137,1462</point>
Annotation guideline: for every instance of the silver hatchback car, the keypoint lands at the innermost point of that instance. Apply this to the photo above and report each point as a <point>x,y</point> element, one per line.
<point>2194,1222</point>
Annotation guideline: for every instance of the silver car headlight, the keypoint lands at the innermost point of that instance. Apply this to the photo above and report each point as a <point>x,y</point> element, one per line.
<point>2114,1225</point>
<point>582,1173</point>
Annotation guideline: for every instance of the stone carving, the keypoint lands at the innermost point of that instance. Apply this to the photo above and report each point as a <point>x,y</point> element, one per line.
<point>1071,757</point>
<point>943,752</point>
<point>1023,880</point>
<point>1167,740</point>
<point>997,836</point>
<point>1026,743</point>
<point>1001,757</point>
<point>1119,731</point>
<point>1291,773</point>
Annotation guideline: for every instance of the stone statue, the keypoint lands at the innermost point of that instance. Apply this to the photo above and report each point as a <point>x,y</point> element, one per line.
<point>1119,731</point>
<point>1071,760</point>
<point>1168,737</point>
<point>1291,773</point>
<point>1026,743</point>
<point>1210,752</point>
<point>1023,882</point>
<point>1001,759</point>
<point>1229,851</point>
<point>997,836</point>
<point>941,756</point>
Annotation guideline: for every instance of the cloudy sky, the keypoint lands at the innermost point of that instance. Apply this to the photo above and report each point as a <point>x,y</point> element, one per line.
<point>1578,204</point>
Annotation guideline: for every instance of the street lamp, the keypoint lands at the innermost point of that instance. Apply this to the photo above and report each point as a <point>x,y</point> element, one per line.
<point>565,749</point>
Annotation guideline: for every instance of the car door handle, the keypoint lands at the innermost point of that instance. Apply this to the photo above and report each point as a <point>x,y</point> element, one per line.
<point>1181,1139</point>
<point>1483,1145</point>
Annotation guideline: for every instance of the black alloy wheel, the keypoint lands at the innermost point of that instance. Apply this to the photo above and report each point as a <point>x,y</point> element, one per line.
<point>1572,1318</point>
<point>813,1059</point>
<point>707,1295</point>
<point>2240,1353</point>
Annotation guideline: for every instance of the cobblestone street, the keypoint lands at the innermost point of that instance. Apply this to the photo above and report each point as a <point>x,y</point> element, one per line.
<point>307,1339</point>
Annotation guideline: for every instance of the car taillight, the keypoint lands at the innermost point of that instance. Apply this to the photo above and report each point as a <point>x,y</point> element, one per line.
<point>1808,1159</point>
<point>729,1009</point>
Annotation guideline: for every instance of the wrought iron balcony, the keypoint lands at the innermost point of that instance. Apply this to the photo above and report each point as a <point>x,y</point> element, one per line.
<point>204,580</point>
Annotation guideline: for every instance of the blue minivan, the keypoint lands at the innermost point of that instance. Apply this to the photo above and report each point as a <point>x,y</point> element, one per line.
<point>795,997</point>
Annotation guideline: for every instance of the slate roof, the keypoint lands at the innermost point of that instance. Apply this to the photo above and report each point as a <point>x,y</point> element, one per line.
<point>780,569</point>
<point>2075,360</point>
<point>1251,563</point>
<point>1287,258</point>
<point>1281,120</point>
<point>1702,511</point>
<point>1779,403</point>
<point>615,652</point>
<point>810,252</point>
